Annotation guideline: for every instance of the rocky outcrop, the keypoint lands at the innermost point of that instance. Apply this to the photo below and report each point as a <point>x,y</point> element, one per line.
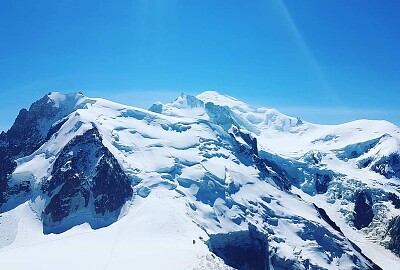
<point>363,213</point>
<point>394,199</point>
<point>388,166</point>
<point>321,182</point>
<point>394,234</point>
<point>7,166</point>
<point>29,131</point>
<point>86,185</point>
<point>244,250</point>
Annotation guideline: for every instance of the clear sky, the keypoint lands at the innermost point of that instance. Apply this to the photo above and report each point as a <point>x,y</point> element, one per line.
<point>324,61</point>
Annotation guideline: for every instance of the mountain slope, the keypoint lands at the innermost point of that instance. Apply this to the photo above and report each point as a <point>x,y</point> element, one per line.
<point>199,177</point>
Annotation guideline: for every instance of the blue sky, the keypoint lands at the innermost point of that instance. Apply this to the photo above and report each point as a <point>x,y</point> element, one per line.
<point>325,61</point>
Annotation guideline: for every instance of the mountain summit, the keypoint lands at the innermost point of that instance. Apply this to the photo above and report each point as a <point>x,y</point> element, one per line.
<point>203,182</point>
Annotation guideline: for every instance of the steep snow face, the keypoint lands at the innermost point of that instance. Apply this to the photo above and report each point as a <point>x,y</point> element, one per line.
<point>164,181</point>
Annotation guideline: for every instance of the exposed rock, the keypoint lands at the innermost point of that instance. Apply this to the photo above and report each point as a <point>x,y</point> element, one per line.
<point>321,182</point>
<point>250,148</point>
<point>244,250</point>
<point>86,180</point>
<point>394,233</point>
<point>394,199</point>
<point>7,166</point>
<point>388,166</point>
<point>325,217</point>
<point>30,130</point>
<point>363,213</point>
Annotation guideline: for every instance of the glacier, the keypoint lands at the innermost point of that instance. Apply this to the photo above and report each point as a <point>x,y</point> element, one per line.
<point>203,182</point>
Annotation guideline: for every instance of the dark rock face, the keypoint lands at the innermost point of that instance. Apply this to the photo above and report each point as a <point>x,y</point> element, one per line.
<point>394,199</point>
<point>11,193</point>
<point>394,233</point>
<point>86,185</point>
<point>325,217</point>
<point>251,147</point>
<point>321,182</point>
<point>55,127</point>
<point>269,168</point>
<point>388,166</point>
<point>7,166</point>
<point>244,250</point>
<point>111,187</point>
<point>363,213</point>
<point>26,135</point>
<point>30,128</point>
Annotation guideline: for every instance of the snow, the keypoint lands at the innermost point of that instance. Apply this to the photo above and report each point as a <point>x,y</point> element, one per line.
<point>172,155</point>
<point>222,100</point>
<point>68,101</point>
<point>132,241</point>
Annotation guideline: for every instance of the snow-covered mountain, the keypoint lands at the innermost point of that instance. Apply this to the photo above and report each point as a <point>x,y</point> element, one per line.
<point>204,182</point>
